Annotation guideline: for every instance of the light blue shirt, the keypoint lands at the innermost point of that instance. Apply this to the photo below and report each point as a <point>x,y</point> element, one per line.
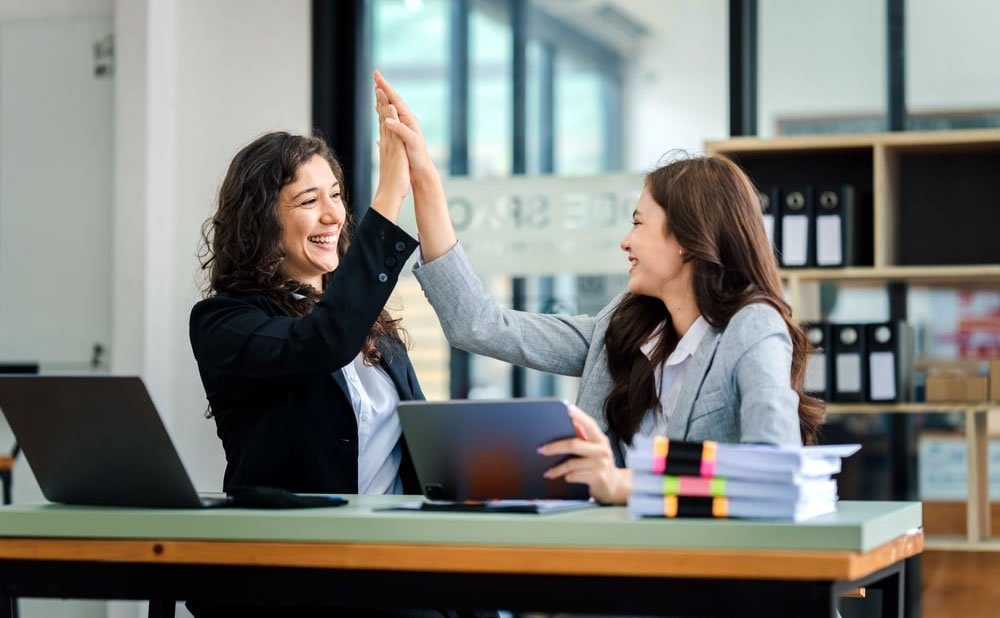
<point>374,399</point>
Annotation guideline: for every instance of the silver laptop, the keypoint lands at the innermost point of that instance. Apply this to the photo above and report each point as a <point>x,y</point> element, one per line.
<point>97,440</point>
<point>482,450</point>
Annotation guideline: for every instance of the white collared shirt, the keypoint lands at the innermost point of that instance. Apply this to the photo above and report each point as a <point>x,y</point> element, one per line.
<point>374,399</point>
<point>670,375</point>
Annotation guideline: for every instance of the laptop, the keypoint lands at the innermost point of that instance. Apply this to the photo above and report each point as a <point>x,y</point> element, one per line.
<point>486,449</point>
<point>97,440</point>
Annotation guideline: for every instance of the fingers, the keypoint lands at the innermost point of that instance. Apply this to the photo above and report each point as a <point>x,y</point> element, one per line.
<point>576,464</point>
<point>406,116</point>
<point>383,84</point>
<point>405,133</point>
<point>573,446</point>
<point>591,430</point>
<point>381,102</point>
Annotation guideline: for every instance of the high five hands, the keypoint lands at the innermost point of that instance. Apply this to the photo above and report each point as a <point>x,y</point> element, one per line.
<point>394,166</point>
<point>401,123</point>
<point>437,234</point>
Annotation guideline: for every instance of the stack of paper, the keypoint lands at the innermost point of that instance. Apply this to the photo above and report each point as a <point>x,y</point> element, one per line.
<point>711,479</point>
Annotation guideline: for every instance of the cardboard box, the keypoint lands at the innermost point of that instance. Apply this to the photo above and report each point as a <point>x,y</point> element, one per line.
<point>995,380</point>
<point>948,389</point>
<point>954,368</point>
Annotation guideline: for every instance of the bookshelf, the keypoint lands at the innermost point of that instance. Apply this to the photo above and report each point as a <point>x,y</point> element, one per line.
<point>930,192</point>
<point>977,522</point>
<point>932,195</point>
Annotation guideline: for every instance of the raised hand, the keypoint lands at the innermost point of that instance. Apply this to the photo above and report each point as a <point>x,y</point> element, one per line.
<point>394,168</point>
<point>406,126</point>
<point>437,235</point>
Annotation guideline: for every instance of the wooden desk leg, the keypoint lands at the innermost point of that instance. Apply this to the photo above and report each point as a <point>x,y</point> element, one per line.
<point>159,608</point>
<point>977,444</point>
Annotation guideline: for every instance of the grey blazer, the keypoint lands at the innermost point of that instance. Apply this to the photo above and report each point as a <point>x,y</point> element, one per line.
<point>737,389</point>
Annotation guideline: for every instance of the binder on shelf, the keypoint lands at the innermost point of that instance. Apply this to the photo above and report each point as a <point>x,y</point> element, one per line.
<point>797,230</point>
<point>850,371</point>
<point>819,366</point>
<point>834,226</point>
<point>844,227</point>
<point>769,206</point>
<point>890,361</point>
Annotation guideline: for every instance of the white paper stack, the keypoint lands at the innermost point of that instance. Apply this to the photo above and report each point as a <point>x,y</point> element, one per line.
<point>711,479</point>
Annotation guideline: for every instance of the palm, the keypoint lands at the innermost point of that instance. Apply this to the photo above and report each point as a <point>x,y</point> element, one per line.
<point>416,147</point>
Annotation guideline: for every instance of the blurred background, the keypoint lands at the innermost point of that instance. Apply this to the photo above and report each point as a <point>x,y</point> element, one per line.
<point>118,119</point>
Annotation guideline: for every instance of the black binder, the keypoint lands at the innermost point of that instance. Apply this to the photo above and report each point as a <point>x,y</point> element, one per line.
<point>843,227</point>
<point>890,361</point>
<point>850,362</point>
<point>819,362</point>
<point>770,202</point>
<point>797,229</point>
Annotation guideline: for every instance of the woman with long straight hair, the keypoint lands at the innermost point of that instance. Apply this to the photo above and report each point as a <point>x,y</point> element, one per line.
<point>702,345</point>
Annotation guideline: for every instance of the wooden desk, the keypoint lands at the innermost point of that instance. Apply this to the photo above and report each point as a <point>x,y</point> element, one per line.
<point>595,560</point>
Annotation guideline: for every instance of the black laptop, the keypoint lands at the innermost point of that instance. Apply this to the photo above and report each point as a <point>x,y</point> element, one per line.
<point>97,440</point>
<point>486,449</point>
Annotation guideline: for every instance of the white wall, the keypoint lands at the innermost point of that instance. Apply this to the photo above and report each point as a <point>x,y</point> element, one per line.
<point>55,192</point>
<point>677,88</point>
<point>49,9</point>
<point>197,81</point>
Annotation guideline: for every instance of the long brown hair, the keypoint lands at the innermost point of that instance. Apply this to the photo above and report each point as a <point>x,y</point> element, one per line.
<point>714,213</point>
<point>241,242</point>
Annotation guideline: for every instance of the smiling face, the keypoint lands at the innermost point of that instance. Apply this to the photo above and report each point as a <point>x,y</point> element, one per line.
<point>656,263</point>
<point>312,216</point>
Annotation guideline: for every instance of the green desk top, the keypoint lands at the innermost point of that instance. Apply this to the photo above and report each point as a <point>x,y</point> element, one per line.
<point>856,526</point>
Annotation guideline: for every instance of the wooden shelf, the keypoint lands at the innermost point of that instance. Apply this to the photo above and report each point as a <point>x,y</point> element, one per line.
<point>987,273</point>
<point>907,139</point>
<point>959,543</point>
<point>906,180</point>
<point>911,408</point>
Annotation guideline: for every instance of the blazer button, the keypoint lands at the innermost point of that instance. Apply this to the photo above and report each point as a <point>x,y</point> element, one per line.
<point>390,261</point>
<point>400,246</point>
<point>382,277</point>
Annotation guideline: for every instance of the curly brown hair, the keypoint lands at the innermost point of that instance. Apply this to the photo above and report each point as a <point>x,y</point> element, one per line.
<point>241,242</point>
<point>713,210</point>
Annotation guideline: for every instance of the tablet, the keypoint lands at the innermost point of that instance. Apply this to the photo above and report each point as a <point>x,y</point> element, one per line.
<point>487,449</point>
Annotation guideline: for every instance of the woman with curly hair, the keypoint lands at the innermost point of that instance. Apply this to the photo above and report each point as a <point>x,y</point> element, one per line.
<point>302,365</point>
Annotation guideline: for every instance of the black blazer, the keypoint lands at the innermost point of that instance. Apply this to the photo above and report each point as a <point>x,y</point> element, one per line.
<point>280,402</point>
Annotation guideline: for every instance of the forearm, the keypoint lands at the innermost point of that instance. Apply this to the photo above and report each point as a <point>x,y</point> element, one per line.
<point>235,335</point>
<point>474,321</point>
<point>387,204</point>
<point>437,235</point>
